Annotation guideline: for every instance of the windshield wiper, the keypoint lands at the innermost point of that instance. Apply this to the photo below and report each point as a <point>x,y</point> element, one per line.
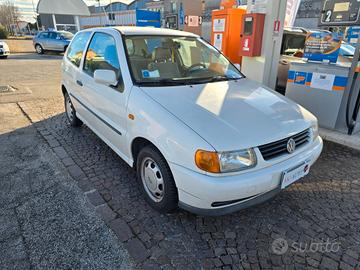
<point>163,82</point>
<point>215,79</point>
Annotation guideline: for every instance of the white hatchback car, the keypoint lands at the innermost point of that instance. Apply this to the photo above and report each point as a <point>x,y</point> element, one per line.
<point>4,49</point>
<point>200,135</point>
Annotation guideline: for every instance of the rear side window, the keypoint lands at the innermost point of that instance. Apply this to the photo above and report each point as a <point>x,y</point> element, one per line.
<point>77,47</point>
<point>52,35</point>
<point>102,54</point>
<point>43,35</point>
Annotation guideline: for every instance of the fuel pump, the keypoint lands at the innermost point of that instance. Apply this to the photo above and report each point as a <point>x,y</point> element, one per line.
<point>329,90</point>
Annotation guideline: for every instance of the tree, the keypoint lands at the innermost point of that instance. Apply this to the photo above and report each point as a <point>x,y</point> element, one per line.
<point>3,32</point>
<point>9,15</point>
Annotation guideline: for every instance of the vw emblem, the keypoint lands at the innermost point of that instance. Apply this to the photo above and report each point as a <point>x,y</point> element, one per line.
<point>291,146</point>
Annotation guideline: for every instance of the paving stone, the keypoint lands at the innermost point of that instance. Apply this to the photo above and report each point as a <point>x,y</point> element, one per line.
<point>95,198</point>
<point>136,250</point>
<point>105,212</point>
<point>75,171</point>
<point>327,263</point>
<point>345,266</point>
<point>121,229</point>
<point>60,152</point>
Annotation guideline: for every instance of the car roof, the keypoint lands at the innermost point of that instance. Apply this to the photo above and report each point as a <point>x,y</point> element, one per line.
<point>143,31</point>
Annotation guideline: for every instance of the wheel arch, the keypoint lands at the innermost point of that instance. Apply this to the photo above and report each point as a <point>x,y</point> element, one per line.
<point>63,89</point>
<point>139,143</point>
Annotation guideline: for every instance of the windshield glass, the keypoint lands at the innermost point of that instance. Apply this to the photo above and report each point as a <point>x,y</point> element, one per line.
<point>66,35</point>
<point>166,60</point>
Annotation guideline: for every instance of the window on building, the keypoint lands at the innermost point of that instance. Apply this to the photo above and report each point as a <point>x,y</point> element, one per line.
<point>111,16</point>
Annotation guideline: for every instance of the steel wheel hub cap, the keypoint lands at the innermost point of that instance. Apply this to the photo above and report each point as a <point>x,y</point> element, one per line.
<point>69,109</point>
<point>152,179</point>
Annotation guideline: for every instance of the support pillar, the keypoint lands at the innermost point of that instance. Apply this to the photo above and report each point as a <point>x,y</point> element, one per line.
<point>54,21</point>
<point>264,68</point>
<point>77,23</point>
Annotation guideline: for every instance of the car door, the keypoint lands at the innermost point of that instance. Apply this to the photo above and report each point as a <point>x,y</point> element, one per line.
<point>41,39</point>
<point>51,41</point>
<point>106,104</point>
<point>71,70</point>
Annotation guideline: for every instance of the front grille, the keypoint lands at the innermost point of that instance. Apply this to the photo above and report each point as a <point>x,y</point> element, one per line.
<point>278,148</point>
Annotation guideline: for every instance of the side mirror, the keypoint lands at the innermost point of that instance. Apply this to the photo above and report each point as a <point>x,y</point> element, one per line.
<point>238,66</point>
<point>105,77</point>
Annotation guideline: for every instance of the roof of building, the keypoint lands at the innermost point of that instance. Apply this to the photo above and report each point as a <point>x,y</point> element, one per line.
<point>134,30</point>
<point>63,7</point>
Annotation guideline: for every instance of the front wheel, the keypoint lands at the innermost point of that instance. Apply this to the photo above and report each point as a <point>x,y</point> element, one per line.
<point>39,49</point>
<point>156,180</point>
<point>70,112</point>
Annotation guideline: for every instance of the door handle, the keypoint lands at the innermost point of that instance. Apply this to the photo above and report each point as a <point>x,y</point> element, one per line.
<point>79,83</point>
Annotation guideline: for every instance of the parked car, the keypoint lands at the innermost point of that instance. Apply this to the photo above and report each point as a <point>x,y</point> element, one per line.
<point>200,135</point>
<point>4,49</point>
<point>52,41</point>
<point>292,50</point>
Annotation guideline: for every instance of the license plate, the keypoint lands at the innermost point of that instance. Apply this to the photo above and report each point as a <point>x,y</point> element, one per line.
<point>291,176</point>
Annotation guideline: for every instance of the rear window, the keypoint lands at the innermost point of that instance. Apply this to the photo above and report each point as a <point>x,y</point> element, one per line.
<point>77,47</point>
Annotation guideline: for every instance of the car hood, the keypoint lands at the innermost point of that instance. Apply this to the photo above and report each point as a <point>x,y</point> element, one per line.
<point>233,115</point>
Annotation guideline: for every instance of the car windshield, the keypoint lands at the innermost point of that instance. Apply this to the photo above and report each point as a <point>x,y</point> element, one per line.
<point>169,60</point>
<point>66,35</point>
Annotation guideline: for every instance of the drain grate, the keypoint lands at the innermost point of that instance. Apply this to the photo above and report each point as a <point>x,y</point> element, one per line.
<point>6,88</point>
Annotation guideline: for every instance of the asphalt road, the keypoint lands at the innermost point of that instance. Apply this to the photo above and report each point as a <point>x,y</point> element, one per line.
<point>32,76</point>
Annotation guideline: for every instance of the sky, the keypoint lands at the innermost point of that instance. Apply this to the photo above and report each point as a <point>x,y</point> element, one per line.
<point>27,9</point>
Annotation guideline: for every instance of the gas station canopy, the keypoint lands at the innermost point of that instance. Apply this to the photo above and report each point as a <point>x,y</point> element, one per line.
<point>63,7</point>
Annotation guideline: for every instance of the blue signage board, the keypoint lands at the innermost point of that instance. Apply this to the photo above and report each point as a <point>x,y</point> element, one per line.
<point>352,35</point>
<point>148,18</point>
<point>181,15</point>
<point>322,46</point>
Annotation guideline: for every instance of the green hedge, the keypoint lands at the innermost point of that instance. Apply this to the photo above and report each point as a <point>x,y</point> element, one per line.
<point>3,32</point>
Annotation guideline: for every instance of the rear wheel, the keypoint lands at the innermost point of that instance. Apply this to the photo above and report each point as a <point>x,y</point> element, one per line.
<point>156,180</point>
<point>39,49</point>
<point>71,112</point>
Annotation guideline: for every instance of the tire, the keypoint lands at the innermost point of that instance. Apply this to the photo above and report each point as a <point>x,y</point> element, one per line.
<point>71,112</point>
<point>153,170</point>
<point>39,49</point>
<point>4,57</point>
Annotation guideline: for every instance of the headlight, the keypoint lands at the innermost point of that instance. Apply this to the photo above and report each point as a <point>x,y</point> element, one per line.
<point>225,161</point>
<point>315,130</point>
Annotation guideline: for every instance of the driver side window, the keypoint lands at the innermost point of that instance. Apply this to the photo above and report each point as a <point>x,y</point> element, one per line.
<point>101,54</point>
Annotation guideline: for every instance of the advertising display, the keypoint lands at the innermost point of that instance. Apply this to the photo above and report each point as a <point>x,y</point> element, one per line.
<point>321,46</point>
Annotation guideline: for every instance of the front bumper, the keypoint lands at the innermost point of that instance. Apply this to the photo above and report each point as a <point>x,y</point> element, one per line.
<point>4,52</point>
<point>219,195</point>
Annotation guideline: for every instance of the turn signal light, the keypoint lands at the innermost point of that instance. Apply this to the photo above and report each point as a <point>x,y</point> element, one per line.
<point>207,161</point>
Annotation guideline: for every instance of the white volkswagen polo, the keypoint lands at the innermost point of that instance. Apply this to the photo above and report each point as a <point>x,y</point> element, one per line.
<point>200,135</point>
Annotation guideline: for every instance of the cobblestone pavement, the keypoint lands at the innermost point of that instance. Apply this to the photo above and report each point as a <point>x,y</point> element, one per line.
<point>46,222</point>
<point>313,224</point>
